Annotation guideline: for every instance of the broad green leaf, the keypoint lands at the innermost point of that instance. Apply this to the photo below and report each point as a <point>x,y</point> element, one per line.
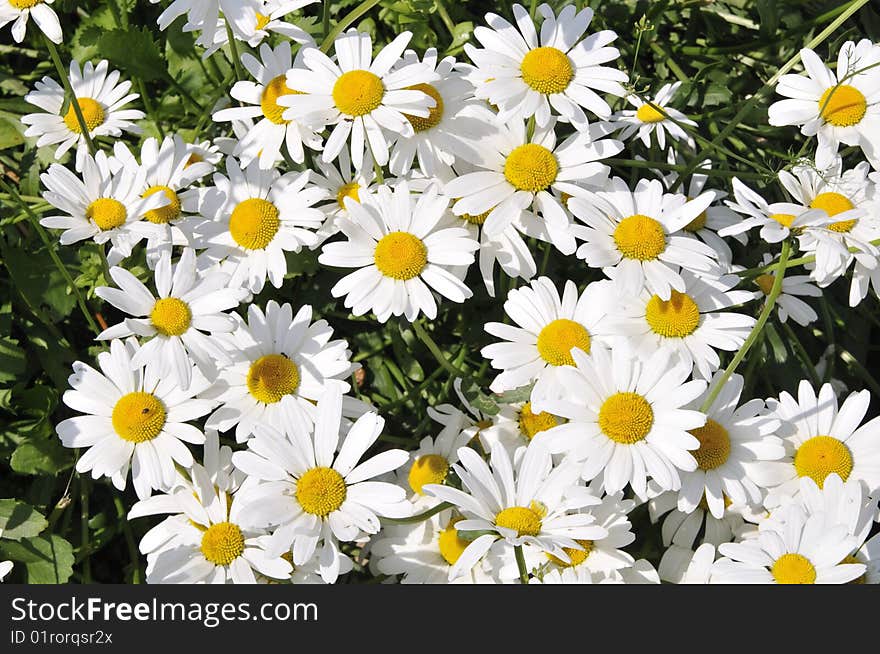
<point>11,135</point>
<point>47,559</point>
<point>134,51</point>
<point>20,520</point>
<point>47,457</point>
<point>13,360</point>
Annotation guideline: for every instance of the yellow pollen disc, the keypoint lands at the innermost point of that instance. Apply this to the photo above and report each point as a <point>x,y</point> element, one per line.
<point>784,219</point>
<point>107,213</point>
<point>358,92</point>
<point>400,255</point>
<point>531,167</point>
<point>852,559</point>
<point>647,113</point>
<point>222,543</point>
<point>320,491</point>
<point>477,219</point>
<point>427,469</point>
<point>843,226</point>
<point>831,203</point>
<point>262,21</point>
<point>696,224</point>
<point>547,70</point>
<point>557,338</point>
<point>450,544</point>
<point>526,521</point>
<point>435,113</point>
<point>254,223</point>
<point>349,190</point>
<point>169,212</point>
<point>271,377</point>
<point>269,100</point>
<point>714,445</point>
<point>194,158</point>
<point>25,4</point>
<point>843,105</point>
<point>138,417</point>
<point>534,423</point>
<point>626,418</point>
<point>765,283</point>
<point>676,317</point>
<point>171,316</point>
<point>793,569</point>
<point>640,237</point>
<point>820,456</point>
<point>92,112</point>
<point>577,556</point>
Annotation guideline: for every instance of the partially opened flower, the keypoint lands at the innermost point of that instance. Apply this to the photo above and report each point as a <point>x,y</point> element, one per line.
<point>653,115</point>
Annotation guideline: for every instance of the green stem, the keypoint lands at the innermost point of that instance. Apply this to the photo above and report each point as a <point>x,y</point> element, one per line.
<point>148,105</point>
<point>420,517</point>
<point>756,330</point>
<point>349,19</point>
<point>760,270</point>
<point>84,528</point>
<point>425,338</point>
<point>711,172</point>
<point>233,48</point>
<point>129,539</point>
<point>533,9</point>
<point>521,564</point>
<point>444,16</point>
<point>325,19</point>
<point>50,246</point>
<point>68,89</point>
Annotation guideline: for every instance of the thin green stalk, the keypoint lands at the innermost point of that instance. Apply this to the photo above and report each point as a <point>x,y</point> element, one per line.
<point>419,517</point>
<point>756,330</point>
<point>548,248</point>
<point>32,199</point>
<point>533,9</point>
<point>800,261</point>
<point>521,564</point>
<point>425,338</point>
<point>233,48</point>
<point>84,528</point>
<point>325,19</point>
<point>129,538</point>
<point>444,16</point>
<point>349,19</point>
<point>68,90</point>
<point>50,246</point>
<point>148,105</point>
<point>658,165</point>
<point>801,353</point>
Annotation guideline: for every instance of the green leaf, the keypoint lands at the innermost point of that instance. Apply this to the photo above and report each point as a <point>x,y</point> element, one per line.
<point>20,520</point>
<point>10,134</point>
<point>37,278</point>
<point>134,51</point>
<point>47,559</point>
<point>13,360</point>
<point>521,394</point>
<point>43,457</point>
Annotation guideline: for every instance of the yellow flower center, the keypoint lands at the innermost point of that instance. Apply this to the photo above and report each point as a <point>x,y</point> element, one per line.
<point>577,556</point>
<point>271,377</point>
<point>648,113</point>
<point>640,237</point>
<point>820,456</point>
<point>476,219</point>
<point>24,4</point>
<point>851,559</point>
<point>696,224</point>
<point>451,545</point>
<point>435,113</point>
<point>843,226</point>
<point>765,283</point>
<point>222,543</point>
<point>262,21</point>
<point>843,105</point>
<point>138,417</point>
<point>400,255</point>
<point>92,112</point>
<point>169,212</point>
<point>676,317</point>
<point>833,204</point>
<point>524,520</point>
<point>427,469</point>
<point>349,190</point>
<point>531,167</point>
<point>558,337</point>
<point>793,569</point>
<point>626,418</point>
<point>358,92</point>
<point>269,100</point>
<point>531,423</point>
<point>254,223</point>
<point>714,445</point>
<point>194,158</point>
<point>107,213</point>
<point>784,219</point>
<point>320,491</point>
<point>547,70</point>
<point>171,316</point>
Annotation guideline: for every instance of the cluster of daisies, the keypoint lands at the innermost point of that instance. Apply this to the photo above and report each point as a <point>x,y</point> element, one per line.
<point>236,420</point>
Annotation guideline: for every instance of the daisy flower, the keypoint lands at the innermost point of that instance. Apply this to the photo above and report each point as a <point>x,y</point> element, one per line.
<point>683,529</point>
<point>533,504</point>
<point>101,98</point>
<point>691,323</point>
<point>788,303</point>
<point>807,549</point>
<point>516,173</point>
<point>102,205</point>
<point>731,440</point>
<point>515,425</point>
<point>363,98</point>
<point>20,10</point>
<point>437,138</point>
<point>560,72</point>
<point>403,245</point>
<point>635,232</point>
<point>647,118</point>
<point>204,539</point>
<point>176,321</point>
<point>821,439</point>
<point>625,420</point>
<point>260,98</point>
<point>135,419</point>
<point>430,463</point>
<point>340,181</point>
<point>777,221</point>
<point>842,107</point>
<point>169,169</point>
<point>546,328</point>
<point>313,492</point>
<point>680,565</point>
<point>204,16</point>
<point>260,19</point>
<point>258,215</point>
<point>282,364</point>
